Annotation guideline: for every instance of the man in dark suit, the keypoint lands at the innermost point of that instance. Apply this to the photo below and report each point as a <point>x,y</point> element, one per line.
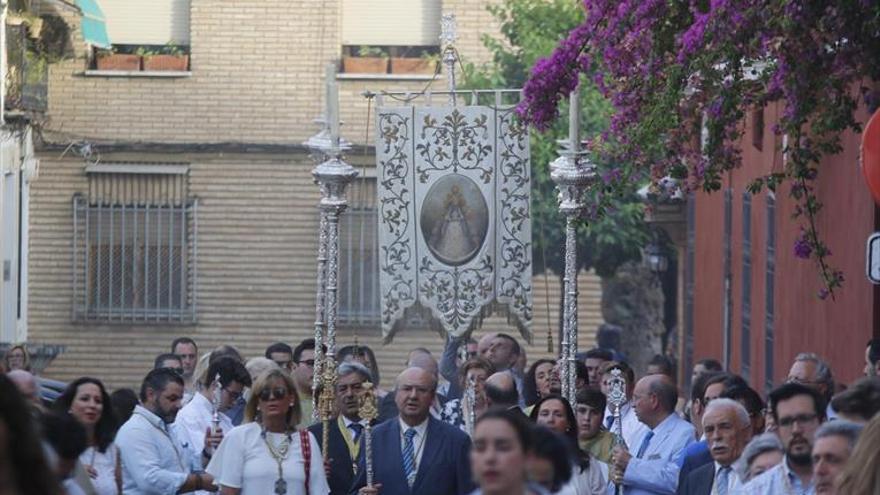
<point>728,430</point>
<point>344,432</point>
<point>415,453</point>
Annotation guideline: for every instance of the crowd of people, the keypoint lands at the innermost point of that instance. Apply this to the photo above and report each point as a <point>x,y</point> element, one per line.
<point>480,420</point>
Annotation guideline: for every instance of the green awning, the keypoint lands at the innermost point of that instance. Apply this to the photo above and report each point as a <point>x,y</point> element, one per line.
<point>94,25</point>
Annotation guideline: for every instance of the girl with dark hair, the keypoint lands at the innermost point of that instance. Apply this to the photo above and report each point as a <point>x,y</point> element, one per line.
<point>24,468</point>
<point>88,402</point>
<point>540,381</point>
<point>546,467</point>
<point>590,476</point>
<point>501,447</point>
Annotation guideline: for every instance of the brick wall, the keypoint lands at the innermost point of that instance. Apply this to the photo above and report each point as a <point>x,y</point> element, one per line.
<point>256,271</point>
<point>257,69</point>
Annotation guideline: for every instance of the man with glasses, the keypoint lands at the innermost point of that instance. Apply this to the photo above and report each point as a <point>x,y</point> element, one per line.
<point>810,370</point>
<point>798,410</point>
<point>303,371</point>
<point>193,427</point>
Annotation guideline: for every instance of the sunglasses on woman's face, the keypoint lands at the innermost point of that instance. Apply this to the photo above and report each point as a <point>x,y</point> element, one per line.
<point>275,393</point>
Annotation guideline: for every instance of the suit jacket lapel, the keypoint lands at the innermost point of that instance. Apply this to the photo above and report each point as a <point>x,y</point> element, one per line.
<point>397,453</point>
<point>432,444</point>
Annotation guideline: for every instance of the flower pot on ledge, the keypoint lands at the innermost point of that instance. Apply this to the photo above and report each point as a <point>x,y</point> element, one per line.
<point>119,61</point>
<point>178,63</point>
<point>364,65</point>
<point>412,65</point>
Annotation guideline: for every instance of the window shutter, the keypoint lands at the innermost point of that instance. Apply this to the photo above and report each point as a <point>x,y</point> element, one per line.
<point>138,22</point>
<point>391,22</point>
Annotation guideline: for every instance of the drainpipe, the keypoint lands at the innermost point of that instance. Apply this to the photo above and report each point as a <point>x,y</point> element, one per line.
<point>3,7</point>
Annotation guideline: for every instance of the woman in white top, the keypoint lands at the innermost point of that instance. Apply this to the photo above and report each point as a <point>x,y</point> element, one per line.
<point>589,475</point>
<point>87,401</point>
<point>266,455</point>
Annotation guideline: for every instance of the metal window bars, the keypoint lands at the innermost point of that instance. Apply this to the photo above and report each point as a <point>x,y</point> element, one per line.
<point>359,260</point>
<point>134,263</point>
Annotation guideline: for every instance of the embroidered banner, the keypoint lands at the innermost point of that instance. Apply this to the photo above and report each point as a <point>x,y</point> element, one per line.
<point>454,222</point>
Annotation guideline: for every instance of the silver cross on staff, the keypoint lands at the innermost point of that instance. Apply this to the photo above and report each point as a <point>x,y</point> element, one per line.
<point>332,175</point>
<point>448,35</point>
<point>616,399</point>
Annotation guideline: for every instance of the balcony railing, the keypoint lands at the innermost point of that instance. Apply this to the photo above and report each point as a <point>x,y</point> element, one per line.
<point>27,76</point>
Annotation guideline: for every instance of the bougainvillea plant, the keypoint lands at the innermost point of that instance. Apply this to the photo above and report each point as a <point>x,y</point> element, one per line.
<point>682,74</point>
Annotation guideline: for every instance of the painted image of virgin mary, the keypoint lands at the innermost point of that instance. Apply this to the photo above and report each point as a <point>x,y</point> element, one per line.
<point>452,236</point>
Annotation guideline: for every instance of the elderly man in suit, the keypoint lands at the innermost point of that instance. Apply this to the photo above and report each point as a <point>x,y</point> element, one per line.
<point>653,468</point>
<point>344,432</point>
<point>728,430</point>
<point>416,453</point>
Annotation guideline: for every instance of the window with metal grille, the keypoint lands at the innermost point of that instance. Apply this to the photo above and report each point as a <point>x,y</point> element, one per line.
<point>135,245</point>
<point>358,256</point>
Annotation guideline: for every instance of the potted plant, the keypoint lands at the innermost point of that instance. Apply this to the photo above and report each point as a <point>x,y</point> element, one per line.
<point>170,57</point>
<point>369,60</point>
<point>110,60</point>
<point>426,64</point>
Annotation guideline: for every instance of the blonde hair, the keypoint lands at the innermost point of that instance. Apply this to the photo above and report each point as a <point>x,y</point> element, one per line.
<point>200,372</point>
<point>258,365</point>
<point>861,476</point>
<point>262,382</point>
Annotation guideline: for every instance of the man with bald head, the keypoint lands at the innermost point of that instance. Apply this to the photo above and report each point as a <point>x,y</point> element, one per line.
<point>728,430</point>
<point>651,465</point>
<point>419,454</point>
<point>418,358</point>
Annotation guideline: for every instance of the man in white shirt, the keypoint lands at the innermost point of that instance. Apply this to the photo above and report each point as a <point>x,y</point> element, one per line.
<point>652,468</point>
<point>728,430</point>
<point>798,411</point>
<point>633,429</point>
<point>153,460</point>
<point>195,422</point>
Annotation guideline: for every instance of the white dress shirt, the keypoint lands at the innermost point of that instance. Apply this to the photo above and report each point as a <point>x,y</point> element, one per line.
<point>418,440</point>
<point>104,464</point>
<point>191,424</point>
<point>633,429</point>
<point>733,481</point>
<point>777,480</point>
<point>153,460</point>
<point>349,422</point>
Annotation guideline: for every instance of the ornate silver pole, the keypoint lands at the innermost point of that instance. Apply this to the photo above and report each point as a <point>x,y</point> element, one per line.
<point>616,399</point>
<point>216,398</point>
<point>332,175</point>
<point>448,35</point>
<point>470,401</point>
<point>573,173</point>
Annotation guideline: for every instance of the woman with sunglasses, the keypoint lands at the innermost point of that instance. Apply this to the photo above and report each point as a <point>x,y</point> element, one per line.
<point>87,401</point>
<point>267,454</point>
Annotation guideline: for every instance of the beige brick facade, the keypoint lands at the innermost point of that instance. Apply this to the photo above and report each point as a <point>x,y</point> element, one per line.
<point>256,81</point>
